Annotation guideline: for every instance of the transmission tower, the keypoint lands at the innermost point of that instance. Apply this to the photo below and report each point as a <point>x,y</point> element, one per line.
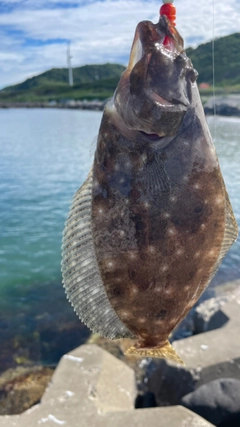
<point>70,73</point>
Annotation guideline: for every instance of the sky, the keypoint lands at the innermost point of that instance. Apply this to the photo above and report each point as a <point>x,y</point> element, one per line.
<point>34,33</point>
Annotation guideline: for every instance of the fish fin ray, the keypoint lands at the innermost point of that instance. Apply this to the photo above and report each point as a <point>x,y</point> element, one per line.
<point>164,352</point>
<point>155,177</point>
<point>231,227</point>
<point>81,277</point>
<point>93,146</point>
<point>230,235</point>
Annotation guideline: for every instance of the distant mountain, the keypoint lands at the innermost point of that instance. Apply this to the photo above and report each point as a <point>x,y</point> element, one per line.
<point>99,81</point>
<point>90,82</point>
<point>85,74</point>
<point>227,61</point>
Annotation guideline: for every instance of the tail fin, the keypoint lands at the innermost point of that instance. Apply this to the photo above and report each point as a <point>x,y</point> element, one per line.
<point>165,352</point>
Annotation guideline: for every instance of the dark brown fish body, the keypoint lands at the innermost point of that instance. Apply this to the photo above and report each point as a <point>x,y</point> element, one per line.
<point>160,219</point>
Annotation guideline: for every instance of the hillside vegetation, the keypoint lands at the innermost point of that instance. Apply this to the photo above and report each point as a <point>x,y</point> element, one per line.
<point>226,59</point>
<point>90,82</point>
<point>99,81</point>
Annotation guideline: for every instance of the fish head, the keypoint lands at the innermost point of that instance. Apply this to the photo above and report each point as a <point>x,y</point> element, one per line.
<point>155,90</point>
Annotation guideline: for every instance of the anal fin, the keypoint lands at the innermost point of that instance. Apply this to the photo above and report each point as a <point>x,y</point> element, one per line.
<point>164,352</point>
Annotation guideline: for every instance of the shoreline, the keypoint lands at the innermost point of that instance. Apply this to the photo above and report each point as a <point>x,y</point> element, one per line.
<point>70,105</point>
<point>225,105</point>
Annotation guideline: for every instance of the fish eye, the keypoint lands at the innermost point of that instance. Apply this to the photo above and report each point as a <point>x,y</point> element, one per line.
<point>196,73</point>
<point>192,74</point>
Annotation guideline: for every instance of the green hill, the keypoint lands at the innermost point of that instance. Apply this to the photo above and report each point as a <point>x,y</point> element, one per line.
<point>99,81</point>
<point>90,82</point>
<point>227,61</point>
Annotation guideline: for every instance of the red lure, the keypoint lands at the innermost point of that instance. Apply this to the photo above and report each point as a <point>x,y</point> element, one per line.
<point>169,10</point>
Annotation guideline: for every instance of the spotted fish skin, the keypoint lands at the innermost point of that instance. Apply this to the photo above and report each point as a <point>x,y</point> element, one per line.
<point>157,242</point>
<point>161,220</point>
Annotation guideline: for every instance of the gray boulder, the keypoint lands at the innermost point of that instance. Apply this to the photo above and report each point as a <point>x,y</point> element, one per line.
<point>218,401</point>
<point>209,316</point>
<point>226,105</point>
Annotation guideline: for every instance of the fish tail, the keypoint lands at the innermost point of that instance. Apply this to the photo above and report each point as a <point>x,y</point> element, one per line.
<point>164,352</point>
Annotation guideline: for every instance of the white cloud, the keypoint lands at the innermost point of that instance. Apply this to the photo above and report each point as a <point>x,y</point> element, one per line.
<point>99,31</point>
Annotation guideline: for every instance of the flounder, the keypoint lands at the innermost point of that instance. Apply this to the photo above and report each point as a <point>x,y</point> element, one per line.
<point>150,225</point>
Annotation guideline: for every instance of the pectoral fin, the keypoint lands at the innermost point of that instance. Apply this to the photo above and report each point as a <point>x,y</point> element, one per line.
<point>155,177</point>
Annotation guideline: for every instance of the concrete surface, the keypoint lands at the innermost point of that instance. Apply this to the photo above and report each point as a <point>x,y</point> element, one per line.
<point>175,416</point>
<point>207,356</point>
<point>91,388</point>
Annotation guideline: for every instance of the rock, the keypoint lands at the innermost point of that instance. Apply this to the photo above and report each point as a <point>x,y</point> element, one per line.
<point>218,401</point>
<point>117,349</point>
<point>234,422</point>
<point>209,316</point>
<point>20,392</point>
<point>208,356</point>
<point>170,382</point>
<point>146,400</point>
<point>90,387</point>
<point>96,378</point>
<point>226,105</point>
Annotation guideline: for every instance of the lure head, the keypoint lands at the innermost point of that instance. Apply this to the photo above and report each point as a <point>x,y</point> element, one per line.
<point>155,90</point>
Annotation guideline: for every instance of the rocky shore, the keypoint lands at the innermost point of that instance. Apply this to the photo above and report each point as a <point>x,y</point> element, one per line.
<point>71,104</point>
<point>226,105</point>
<point>93,387</point>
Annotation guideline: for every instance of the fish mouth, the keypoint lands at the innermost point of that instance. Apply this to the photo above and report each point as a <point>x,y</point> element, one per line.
<point>151,136</point>
<point>149,37</point>
<point>151,96</point>
<point>160,100</point>
<point>143,137</point>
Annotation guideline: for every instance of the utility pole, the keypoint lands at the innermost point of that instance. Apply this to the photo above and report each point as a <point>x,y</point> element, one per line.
<point>70,73</point>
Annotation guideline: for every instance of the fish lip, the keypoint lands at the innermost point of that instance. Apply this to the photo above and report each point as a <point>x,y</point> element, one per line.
<point>162,102</point>
<point>166,26</point>
<point>142,98</point>
<point>136,135</point>
<point>136,53</point>
<point>155,141</point>
<point>159,32</point>
<point>153,137</point>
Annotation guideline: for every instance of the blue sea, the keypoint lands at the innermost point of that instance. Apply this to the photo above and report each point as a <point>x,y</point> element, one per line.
<point>45,156</point>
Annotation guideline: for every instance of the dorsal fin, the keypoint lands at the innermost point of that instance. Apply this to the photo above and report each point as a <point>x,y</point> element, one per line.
<point>231,228</point>
<point>230,234</point>
<point>81,277</point>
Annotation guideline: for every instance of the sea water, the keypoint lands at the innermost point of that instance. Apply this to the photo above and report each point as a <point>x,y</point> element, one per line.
<point>45,155</point>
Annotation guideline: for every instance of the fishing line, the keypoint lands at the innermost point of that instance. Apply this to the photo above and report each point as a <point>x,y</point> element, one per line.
<point>213,70</point>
